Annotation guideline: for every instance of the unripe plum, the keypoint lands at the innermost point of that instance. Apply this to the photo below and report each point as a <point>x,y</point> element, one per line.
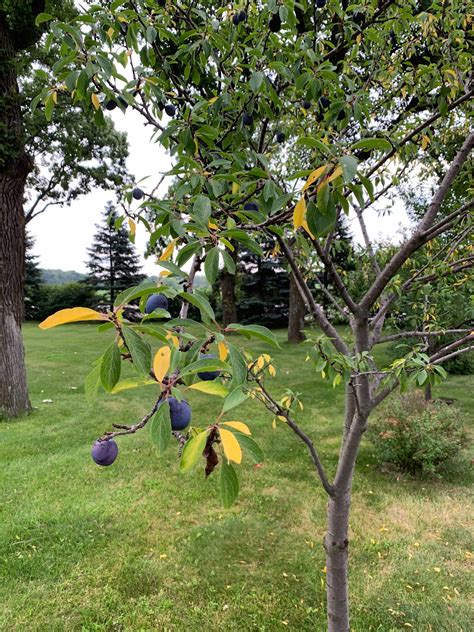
<point>156,301</point>
<point>104,452</point>
<point>206,376</point>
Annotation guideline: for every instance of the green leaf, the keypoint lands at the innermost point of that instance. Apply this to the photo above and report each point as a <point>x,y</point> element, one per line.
<point>349,167</point>
<point>206,364</point>
<point>308,141</point>
<point>153,330</point>
<point>248,445</point>
<point>238,365</point>
<point>211,265</point>
<point>139,350</point>
<point>92,383</point>
<point>137,291</point>
<point>229,484</point>
<point>255,331</point>
<point>228,262</point>
<point>198,300</point>
<point>43,17</point>
<point>202,208</point>
<point>372,143</point>
<point>236,397</point>
<point>323,198</point>
<point>160,428</point>
<point>193,451</point>
<point>110,367</point>
<point>256,81</point>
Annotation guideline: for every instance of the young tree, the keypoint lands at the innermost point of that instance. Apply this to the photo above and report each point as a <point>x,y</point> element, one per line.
<point>362,105</point>
<point>113,263</point>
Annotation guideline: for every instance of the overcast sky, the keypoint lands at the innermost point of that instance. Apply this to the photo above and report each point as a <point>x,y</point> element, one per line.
<point>63,234</point>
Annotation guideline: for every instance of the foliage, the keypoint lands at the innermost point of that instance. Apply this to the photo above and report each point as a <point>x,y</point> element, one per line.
<point>48,299</point>
<point>418,437</point>
<point>50,276</point>
<point>33,279</point>
<point>113,263</point>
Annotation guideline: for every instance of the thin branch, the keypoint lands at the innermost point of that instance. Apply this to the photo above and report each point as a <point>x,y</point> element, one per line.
<point>443,351</point>
<point>338,282</point>
<point>454,354</point>
<point>275,408</point>
<point>125,430</point>
<point>418,238</point>
<point>368,243</point>
<point>420,334</point>
<point>195,266</point>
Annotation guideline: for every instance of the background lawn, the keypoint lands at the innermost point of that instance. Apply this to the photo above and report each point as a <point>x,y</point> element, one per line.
<point>139,546</point>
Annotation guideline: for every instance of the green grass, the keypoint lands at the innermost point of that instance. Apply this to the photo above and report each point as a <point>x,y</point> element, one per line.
<point>138,546</point>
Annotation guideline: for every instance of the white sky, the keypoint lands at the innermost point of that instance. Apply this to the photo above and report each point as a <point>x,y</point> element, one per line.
<point>63,234</point>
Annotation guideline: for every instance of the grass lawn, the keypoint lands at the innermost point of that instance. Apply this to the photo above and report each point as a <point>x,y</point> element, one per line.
<point>140,547</point>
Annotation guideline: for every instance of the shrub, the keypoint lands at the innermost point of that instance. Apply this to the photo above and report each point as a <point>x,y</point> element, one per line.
<point>417,437</point>
<point>51,298</point>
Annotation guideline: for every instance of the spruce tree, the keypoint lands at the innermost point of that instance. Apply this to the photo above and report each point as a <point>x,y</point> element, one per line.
<point>113,263</point>
<point>33,279</point>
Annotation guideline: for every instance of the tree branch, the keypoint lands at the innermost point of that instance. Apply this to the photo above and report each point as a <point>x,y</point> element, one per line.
<point>420,334</point>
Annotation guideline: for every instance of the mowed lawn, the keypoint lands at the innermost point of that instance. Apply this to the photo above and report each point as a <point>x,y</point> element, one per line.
<point>140,547</point>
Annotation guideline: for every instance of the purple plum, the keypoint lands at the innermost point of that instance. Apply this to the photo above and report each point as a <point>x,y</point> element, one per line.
<point>180,413</point>
<point>104,452</point>
<point>156,301</point>
<point>207,376</point>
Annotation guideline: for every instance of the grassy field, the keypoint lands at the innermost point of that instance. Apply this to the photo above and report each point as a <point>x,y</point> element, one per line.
<point>140,547</point>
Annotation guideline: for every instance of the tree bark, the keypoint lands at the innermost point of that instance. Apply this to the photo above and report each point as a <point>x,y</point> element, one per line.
<point>15,165</point>
<point>336,544</point>
<point>295,313</point>
<point>229,306</point>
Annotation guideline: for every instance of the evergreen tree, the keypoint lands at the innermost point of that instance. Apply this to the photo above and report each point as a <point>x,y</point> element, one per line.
<point>33,279</point>
<point>113,263</point>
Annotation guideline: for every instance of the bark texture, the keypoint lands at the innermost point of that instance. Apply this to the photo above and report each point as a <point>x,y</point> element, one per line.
<point>295,313</point>
<point>15,165</point>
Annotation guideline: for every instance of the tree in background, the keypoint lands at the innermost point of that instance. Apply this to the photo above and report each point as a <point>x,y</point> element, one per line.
<point>364,106</point>
<point>113,263</point>
<point>33,280</point>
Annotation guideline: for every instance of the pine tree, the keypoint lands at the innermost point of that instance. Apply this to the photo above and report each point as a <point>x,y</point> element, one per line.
<point>33,279</point>
<point>113,263</point>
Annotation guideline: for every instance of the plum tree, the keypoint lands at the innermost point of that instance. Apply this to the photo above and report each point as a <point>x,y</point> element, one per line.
<point>156,301</point>
<point>207,376</point>
<point>104,452</point>
<point>303,188</point>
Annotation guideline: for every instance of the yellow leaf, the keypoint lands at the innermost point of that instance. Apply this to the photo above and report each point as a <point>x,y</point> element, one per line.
<point>95,100</point>
<point>306,227</point>
<point>272,370</point>
<point>223,351</point>
<point>274,425</point>
<point>260,362</point>
<point>110,31</point>
<point>212,225</point>
<point>314,176</point>
<point>132,226</point>
<point>425,141</point>
<point>213,100</point>
<point>336,173</point>
<point>71,315</point>
<point>238,425</point>
<point>165,273</point>
<point>235,188</point>
<point>174,339</point>
<point>299,212</point>
<point>168,251</point>
<point>404,91</point>
<point>161,363</point>
<point>55,96</point>
<point>231,446</point>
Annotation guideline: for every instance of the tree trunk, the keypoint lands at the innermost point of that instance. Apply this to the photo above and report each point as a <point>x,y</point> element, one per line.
<point>336,544</point>
<point>229,306</point>
<point>295,313</point>
<point>15,165</point>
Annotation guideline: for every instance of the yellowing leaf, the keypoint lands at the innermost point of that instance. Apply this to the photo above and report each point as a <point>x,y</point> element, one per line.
<point>132,226</point>
<point>95,100</point>
<point>272,370</point>
<point>168,251</point>
<point>336,173</point>
<point>165,273</point>
<point>231,446</point>
<point>110,31</point>
<point>71,315</point>
<point>425,141</point>
<point>210,387</point>
<point>223,351</point>
<point>274,424</point>
<point>306,227</point>
<point>238,425</point>
<point>161,363</point>
<point>212,225</point>
<point>314,176</point>
<point>213,100</point>
<point>260,362</point>
<point>55,96</point>
<point>235,188</point>
<point>299,212</point>
<point>174,339</point>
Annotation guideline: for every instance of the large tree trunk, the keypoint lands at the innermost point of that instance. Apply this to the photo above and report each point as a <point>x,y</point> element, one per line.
<point>15,165</point>
<point>295,313</point>
<point>229,306</point>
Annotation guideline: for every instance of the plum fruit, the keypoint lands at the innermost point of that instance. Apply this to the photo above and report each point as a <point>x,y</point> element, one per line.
<point>251,206</point>
<point>170,109</point>
<point>280,137</point>
<point>247,119</point>
<point>104,452</point>
<point>110,105</point>
<point>306,104</point>
<point>137,193</point>
<point>206,376</point>
<point>180,413</point>
<point>275,23</point>
<point>156,301</point>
